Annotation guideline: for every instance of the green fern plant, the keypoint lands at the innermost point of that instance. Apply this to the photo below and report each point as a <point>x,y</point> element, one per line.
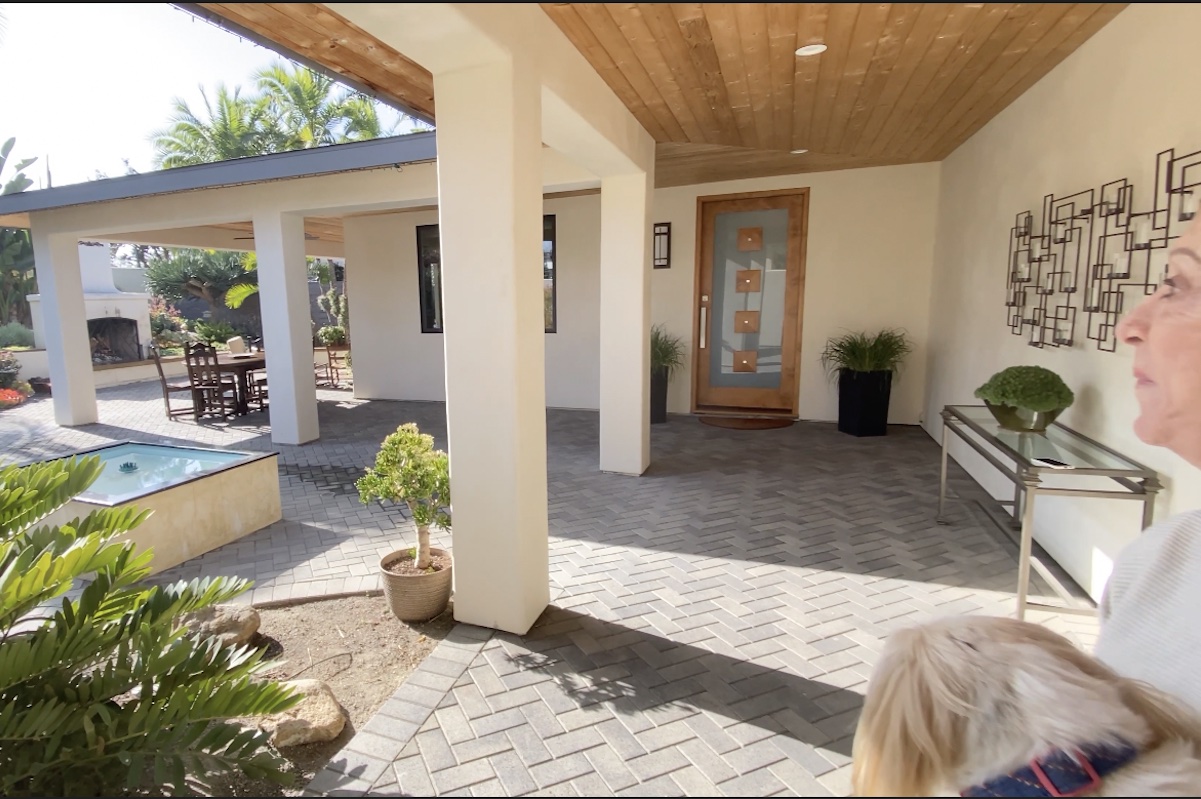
<point>106,693</point>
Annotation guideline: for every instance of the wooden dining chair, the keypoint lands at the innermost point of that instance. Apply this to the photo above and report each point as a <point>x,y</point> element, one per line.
<point>213,393</point>
<point>336,364</point>
<point>170,387</point>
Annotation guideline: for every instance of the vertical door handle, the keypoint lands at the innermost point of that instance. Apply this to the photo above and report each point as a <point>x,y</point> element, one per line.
<point>704,331</point>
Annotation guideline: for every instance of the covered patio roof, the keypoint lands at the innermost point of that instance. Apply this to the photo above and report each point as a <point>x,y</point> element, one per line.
<point>718,85</point>
<point>393,152</point>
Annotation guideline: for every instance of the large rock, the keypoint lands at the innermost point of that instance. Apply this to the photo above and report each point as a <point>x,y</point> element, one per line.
<point>318,717</point>
<point>233,624</point>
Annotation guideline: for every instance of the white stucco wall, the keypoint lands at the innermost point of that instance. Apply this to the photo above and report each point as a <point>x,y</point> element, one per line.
<point>401,362</point>
<point>853,281</point>
<point>1102,114</point>
<point>869,261</point>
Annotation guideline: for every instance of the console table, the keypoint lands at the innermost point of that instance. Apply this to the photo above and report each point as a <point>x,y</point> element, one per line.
<point>1025,458</point>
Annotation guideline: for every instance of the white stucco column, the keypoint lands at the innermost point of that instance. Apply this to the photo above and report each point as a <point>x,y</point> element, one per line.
<point>490,217</point>
<point>65,326</point>
<point>625,314</point>
<point>287,326</point>
<point>378,295</point>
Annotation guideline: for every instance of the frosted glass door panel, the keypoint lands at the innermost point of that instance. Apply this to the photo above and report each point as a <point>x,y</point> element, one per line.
<point>750,268</point>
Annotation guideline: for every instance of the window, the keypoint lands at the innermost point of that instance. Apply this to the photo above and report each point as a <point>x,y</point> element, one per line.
<point>429,273</point>
<point>429,267</point>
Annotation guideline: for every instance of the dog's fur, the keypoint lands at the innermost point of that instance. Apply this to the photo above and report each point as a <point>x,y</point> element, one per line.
<point>959,701</point>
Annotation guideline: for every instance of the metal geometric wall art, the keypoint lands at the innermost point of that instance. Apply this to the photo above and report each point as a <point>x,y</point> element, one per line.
<point>1093,252</point>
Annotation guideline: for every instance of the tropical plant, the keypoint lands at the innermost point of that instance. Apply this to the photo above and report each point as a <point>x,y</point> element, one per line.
<point>17,277</point>
<point>232,127</point>
<point>15,334</point>
<point>207,274</point>
<point>408,469</point>
<point>310,110</point>
<point>667,351</point>
<point>17,182</point>
<point>1031,387</point>
<point>213,332</point>
<point>108,693</point>
<point>294,108</point>
<point>331,336</point>
<point>16,247</point>
<point>865,352</point>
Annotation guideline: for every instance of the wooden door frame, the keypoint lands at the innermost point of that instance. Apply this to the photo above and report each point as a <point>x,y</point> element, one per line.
<point>798,246</point>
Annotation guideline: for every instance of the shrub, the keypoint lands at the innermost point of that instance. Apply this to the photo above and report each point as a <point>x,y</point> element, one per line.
<point>105,693</point>
<point>408,469</point>
<point>332,336</point>
<point>214,333</point>
<point>15,334</point>
<point>9,367</point>
<point>864,352</point>
<point>164,318</point>
<point>1031,387</point>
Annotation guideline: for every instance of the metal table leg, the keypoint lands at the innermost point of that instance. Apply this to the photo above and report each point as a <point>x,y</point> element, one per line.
<point>942,475</point>
<point>1151,487</point>
<point>1030,483</point>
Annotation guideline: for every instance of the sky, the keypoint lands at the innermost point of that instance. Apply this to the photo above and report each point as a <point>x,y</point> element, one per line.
<point>86,84</point>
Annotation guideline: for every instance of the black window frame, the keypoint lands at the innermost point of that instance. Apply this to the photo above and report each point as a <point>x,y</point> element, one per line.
<point>431,317</point>
<point>430,301</point>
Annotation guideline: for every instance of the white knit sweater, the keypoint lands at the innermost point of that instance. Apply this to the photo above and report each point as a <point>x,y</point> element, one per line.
<point>1151,609</point>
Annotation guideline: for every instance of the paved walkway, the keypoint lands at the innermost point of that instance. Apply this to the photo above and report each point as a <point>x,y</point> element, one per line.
<point>712,625</point>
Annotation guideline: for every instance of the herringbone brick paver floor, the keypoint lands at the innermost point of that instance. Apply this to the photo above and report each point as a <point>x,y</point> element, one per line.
<point>713,622</point>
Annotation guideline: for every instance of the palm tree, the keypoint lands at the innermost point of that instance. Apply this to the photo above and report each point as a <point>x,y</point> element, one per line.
<point>362,120</point>
<point>312,110</point>
<point>233,127</point>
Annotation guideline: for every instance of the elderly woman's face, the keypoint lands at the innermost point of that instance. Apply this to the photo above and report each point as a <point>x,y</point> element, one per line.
<point>1165,331</point>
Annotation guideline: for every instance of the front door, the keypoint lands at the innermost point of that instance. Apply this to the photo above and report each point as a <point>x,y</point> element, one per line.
<point>750,287</point>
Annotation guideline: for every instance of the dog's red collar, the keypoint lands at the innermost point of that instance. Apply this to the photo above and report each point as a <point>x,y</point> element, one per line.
<point>1059,773</point>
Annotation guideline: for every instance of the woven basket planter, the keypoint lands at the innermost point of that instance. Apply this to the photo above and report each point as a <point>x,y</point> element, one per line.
<point>416,597</point>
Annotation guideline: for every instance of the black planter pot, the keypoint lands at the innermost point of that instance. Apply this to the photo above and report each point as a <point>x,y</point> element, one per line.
<point>863,402</point>
<point>658,395</point>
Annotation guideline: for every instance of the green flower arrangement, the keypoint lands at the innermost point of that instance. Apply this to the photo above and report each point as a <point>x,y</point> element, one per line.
<point>1031,387</point>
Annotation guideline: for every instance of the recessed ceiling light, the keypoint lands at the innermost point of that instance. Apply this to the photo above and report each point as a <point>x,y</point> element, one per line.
<point>811,49</point>
<point>799,152</point>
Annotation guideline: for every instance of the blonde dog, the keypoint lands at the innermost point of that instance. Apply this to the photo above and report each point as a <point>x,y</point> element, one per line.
<point>987,706</point>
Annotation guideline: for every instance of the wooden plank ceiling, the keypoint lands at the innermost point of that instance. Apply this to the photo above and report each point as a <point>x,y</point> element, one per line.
<point>721,89</point>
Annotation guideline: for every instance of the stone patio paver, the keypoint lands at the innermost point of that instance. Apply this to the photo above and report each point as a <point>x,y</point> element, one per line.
<point>712,626</point>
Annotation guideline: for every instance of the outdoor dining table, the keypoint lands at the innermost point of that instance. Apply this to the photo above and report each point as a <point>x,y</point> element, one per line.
<point>241,366</point>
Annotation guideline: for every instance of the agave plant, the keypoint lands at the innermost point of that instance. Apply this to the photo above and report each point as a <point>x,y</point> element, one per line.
<point>105,693</point>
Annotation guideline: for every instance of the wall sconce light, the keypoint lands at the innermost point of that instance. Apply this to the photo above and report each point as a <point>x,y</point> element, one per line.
<point>661,245</point>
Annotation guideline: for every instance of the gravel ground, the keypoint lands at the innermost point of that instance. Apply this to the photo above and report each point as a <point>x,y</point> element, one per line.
<point>355,645</point>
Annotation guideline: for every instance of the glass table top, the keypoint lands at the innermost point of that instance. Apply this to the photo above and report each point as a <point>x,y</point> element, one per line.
<point>1059,445</point>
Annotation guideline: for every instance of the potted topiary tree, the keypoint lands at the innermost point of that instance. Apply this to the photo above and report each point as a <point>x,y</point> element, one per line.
<point>1026,399</point>
<point>864,365</point>
<point>667,355</point>
<point>408,469</point>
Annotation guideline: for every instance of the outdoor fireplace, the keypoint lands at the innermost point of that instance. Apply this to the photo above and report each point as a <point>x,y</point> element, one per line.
<point>114,340</point>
